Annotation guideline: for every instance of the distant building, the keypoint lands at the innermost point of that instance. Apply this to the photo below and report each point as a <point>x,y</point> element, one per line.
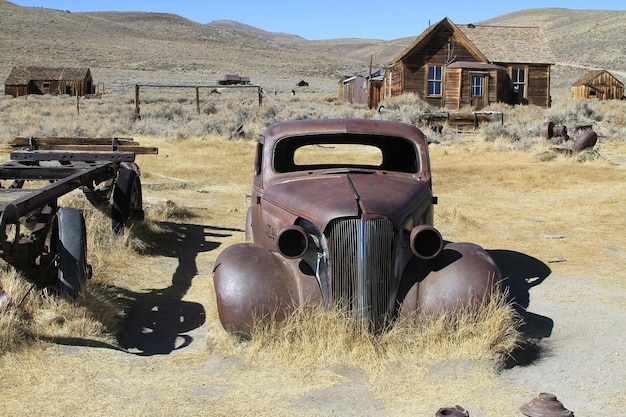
<point>363,88</point>
<point>24,80</point>
<point>454,66</point>
<point>234,79</point>
<point>599,84</point>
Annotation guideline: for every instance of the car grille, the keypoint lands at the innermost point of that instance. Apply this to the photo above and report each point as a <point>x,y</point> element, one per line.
<point>361,267</point>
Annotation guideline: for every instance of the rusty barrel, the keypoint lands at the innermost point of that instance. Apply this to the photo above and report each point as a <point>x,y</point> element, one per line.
<point>559,131</point>
<point>547,129</point>
<point>586,140</point>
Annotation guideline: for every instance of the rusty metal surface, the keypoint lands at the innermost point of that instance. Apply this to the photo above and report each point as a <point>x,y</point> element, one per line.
<point>545,405</point>
<point>65,165</point>
<point>586,140</point>
<point>358,235</point>
<point>252,283</point>
<point>456,411</point>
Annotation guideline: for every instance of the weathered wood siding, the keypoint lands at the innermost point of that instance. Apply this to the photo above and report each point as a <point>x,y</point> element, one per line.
<point>602,86</point>
<point>414,72</point>
<point>458,93</point>
<point>538,85</point>
<point>15,90</point>
<point>452,92</point>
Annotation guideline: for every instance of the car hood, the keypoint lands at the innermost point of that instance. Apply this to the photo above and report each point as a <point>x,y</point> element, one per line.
<point>324,198</point>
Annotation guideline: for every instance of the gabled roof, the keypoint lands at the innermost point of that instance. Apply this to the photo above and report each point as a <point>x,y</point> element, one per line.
<point>589,77</point>
<point>427,35</point>
<point>510,44</point>
<point>493,44</point>
<point>23,75</point>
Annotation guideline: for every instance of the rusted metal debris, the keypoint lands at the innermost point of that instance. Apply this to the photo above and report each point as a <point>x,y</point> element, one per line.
<point>456,411</point>
<point>549,131</point>
<point>545,405</point>
<point>585,140</point>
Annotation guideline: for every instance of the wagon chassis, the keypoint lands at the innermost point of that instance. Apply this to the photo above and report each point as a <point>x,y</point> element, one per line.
<point>53,251</point>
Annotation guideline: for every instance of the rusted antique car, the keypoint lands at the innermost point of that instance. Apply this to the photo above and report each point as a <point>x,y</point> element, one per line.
<point>341,213</point>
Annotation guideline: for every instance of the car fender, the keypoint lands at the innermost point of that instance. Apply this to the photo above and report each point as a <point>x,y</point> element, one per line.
<point>462,275</point>
<point>252,282</point>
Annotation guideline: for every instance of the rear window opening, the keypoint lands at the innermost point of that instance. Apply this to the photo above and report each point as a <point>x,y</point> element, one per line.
<point>387,153</point>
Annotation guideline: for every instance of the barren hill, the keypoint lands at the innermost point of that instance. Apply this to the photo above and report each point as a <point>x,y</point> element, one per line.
<point>123,48</point>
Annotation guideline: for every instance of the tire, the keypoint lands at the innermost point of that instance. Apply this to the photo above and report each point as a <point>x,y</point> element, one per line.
<point>127,204</point>
<point>69,243</point>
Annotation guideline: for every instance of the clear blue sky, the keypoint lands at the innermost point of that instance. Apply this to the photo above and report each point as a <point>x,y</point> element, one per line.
<point>325,19</point>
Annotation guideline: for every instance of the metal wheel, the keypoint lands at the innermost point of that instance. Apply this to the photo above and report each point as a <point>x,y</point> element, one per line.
<point>68,242</point>
<point>127,204</point>
<point>9,219</point>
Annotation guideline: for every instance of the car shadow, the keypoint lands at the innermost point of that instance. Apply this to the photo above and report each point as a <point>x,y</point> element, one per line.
<point>160,321</point>
<point>521,272</point>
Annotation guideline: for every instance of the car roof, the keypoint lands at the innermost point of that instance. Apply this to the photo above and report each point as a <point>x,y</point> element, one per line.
<point>282,130</point>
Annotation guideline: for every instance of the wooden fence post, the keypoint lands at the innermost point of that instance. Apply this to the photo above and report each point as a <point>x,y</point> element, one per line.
<point>260,96</point>
<point>137,101</point>
<point>198,99</point>
<point>77,105</point>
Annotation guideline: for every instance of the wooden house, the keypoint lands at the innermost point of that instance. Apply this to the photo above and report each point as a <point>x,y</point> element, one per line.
<point>364,88</point>
<point>600,84</point>
<point>457,66</point>
<point>23,81</point>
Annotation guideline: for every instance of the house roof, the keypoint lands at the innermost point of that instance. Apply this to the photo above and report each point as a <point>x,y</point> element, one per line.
<point>511,44</point>
<point>493,44</point>
<point>23,75</point>
<point>590,77</point>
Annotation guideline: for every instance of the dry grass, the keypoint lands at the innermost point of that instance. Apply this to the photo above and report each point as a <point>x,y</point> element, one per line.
<point>330,338</point>
<point>496,190</point>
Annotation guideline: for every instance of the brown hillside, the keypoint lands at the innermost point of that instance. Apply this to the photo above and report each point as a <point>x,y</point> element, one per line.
<point>124,48</point>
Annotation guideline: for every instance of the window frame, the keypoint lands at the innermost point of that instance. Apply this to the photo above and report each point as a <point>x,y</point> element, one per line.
<point>480,85</point>
<point>516,82</point>
<point>434,81</point>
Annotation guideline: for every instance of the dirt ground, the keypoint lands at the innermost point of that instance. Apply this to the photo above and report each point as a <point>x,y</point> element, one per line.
<point>167,361</point>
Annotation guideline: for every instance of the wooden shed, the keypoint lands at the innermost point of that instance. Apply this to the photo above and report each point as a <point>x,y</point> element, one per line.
<point>23,81</point>
<point>454,66</point>
<point>363,88</point>
<point>599,84</point>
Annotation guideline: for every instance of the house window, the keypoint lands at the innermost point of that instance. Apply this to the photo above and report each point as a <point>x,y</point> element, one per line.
<point>435,79</point>
<point>518,77</point>
<point>478,85</point>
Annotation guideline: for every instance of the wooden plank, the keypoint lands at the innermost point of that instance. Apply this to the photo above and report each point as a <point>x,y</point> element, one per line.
<point>20,141</point>
<point>151,150</point>
<point>72,155</point>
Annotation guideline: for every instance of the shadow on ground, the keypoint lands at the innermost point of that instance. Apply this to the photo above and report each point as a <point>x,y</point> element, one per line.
<point>160,321</point>
<point>520,273</point>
